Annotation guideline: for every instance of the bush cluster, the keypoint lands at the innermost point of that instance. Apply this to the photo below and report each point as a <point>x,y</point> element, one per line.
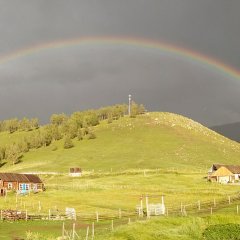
<point>228,231</point>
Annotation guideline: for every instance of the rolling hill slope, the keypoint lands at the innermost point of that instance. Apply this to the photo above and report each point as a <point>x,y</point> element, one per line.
<point>153,140</point>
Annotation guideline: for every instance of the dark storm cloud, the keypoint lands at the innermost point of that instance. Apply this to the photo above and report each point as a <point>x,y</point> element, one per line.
<point>70,79</point>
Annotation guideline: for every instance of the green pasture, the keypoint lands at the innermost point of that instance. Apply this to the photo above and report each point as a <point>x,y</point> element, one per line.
<point>109,192</point>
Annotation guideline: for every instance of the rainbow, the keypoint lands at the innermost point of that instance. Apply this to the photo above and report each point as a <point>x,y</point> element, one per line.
<point>127,41</point>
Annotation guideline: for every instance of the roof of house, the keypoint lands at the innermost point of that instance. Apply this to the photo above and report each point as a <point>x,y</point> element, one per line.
<point>222,171</point>
<point>17,177</point>
<point>33,178</point>
<point>232,168</point>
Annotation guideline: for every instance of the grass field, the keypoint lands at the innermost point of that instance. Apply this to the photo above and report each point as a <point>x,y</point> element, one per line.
<point>155,154</point>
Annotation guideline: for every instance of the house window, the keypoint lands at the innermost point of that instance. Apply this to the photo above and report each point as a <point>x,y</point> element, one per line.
<point>10,186</point>
<point>24,187</point>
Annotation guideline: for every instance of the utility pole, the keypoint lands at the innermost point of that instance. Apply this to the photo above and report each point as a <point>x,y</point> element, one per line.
<point>129,104</point>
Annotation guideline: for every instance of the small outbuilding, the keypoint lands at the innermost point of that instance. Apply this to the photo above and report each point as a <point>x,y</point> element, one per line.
<point>224,173</point>
<point>21,183</point>
<point>75,172</point>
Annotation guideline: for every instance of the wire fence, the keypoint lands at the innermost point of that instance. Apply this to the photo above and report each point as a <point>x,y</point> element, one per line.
<point>89,224</point>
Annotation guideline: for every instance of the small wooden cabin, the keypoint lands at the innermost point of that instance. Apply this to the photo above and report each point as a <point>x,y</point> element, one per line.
<point>75,172</point>
<point>224,173</point>
<point>21,183</point>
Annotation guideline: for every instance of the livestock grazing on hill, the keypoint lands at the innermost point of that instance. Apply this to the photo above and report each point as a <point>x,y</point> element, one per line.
<point>21,183</point>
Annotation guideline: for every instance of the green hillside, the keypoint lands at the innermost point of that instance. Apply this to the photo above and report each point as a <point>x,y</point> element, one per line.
<point>153,140</point>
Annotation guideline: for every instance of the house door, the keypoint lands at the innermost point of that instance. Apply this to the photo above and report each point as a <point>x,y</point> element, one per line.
<point>2,192</point>
<point>23,187</point>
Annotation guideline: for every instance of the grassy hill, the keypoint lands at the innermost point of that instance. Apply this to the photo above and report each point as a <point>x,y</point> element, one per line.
<point>153,140</point>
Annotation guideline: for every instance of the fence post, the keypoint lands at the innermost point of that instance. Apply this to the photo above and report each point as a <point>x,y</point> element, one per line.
<point>97,216</point>
<point>120,213</point>
<point>26,215</point>
<point>199,205</point>
<point>73,231</point>
<point>49,214</point>
<point>39,206</point>
<point>148,215</point>
<point>129,220</point>
<point>184,211</point>
<point>93,230</point>
<point>141,205</point>
<point>214,202</point>
<point>112,225</point>
<point>229,199</point>
<point>63,231</point>
<point>211,211</point>
<point>87,233</point>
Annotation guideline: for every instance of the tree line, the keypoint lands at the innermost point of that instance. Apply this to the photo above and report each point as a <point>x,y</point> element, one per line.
<point>13,125</point>
<point>79,125</point>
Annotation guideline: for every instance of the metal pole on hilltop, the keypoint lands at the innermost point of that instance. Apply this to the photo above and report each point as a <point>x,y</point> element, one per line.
<point>129,104</point>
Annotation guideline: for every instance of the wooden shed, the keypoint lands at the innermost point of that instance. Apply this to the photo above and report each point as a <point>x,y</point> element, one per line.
<point>75,172</point>
<point>21,183</point>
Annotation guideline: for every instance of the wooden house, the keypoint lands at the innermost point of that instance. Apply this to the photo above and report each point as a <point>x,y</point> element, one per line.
<point>75,172</point>
<point>20,183</point>
<point>224,173</point>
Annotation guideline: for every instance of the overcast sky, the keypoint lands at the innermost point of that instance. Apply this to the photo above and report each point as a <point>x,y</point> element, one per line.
<point>90,76</point>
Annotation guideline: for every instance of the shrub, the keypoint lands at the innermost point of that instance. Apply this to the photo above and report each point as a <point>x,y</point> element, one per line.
<point>91,135</point>
<point>68,143</point>
<point>228,231</point>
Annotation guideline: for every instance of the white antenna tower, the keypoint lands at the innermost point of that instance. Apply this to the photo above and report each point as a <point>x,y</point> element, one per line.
<point>129,104</point>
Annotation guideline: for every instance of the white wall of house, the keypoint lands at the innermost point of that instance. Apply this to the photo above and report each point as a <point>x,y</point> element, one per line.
<point>223,179</point>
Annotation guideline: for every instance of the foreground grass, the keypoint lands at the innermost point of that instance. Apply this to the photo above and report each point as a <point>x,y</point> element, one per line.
<point>169,228</point>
